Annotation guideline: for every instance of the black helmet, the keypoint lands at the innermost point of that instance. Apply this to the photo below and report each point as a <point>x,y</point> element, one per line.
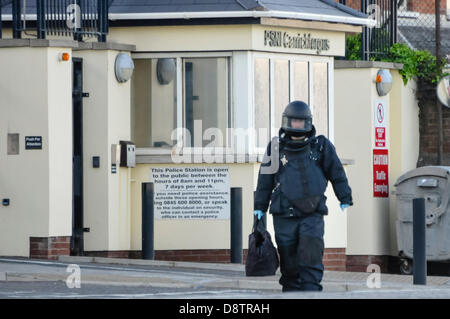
<point>297,110</point>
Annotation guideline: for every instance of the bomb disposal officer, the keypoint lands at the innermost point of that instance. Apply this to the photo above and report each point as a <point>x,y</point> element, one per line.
<point>293,178</point>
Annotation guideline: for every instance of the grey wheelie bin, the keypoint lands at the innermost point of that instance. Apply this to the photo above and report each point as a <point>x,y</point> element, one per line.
<point>433,184</point>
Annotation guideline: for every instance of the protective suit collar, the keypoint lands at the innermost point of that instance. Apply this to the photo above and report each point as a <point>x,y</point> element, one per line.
<point>295,145</point>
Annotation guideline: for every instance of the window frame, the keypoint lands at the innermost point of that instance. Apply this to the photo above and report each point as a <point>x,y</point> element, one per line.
<point>179,56</point>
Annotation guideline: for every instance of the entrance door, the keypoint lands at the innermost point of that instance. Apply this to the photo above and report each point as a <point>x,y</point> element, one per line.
<point>76,244</point>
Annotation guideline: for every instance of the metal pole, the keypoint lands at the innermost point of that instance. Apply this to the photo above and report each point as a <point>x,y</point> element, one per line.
<point>0,20</point>
<point>419,253</point>
<point>236,225</point>
<point>16,13</point>
<point>102,7</point>
<point>147,222</point>
<point>364,34</point>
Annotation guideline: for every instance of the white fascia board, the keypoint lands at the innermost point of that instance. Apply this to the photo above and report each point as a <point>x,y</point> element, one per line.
<point>242,14</point>
<point>230,14</point>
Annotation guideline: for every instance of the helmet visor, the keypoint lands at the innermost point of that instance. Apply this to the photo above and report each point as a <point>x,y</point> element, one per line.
<point>298,125</point>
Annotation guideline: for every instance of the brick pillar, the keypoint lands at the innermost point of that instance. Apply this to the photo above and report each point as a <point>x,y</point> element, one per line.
<point>428,123</point>
<point>427,7</point>
<point>49,247</point>
<point>334,259</point>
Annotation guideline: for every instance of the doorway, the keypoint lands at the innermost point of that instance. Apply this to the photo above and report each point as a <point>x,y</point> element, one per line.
<point>77,243</point>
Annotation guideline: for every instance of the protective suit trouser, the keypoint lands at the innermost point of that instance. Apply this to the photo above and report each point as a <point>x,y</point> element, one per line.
<point>300,245</point>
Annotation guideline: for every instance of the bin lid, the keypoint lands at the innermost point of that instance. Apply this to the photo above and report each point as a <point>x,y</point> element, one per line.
<point>440,171</point>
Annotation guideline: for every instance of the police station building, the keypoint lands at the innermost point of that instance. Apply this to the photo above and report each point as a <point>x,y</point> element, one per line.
<point>88,115</point>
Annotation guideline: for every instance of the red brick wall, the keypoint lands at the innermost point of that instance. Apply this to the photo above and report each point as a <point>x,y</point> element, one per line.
<point>196,255</point>
<point>426,6</point>
<point>359,263</point>
<point>334,259</point>
<point>428,126</point>
<point>49,247</point>
<point>354,4</point>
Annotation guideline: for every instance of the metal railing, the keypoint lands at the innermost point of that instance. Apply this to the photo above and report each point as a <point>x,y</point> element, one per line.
<point>376,41</point>
<point>75,18</point>
<point>422,25</point>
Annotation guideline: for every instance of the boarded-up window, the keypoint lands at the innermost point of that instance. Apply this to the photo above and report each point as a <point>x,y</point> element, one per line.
<point>301,81</point>
<point>281,91</point>
<point>262,102</point>
<point>320,93</point>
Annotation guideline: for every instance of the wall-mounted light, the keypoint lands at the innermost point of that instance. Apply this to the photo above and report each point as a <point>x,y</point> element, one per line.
<point>64,56</point>
<point>383,82</point>
<point>165,70</point>
<point>124,67</point>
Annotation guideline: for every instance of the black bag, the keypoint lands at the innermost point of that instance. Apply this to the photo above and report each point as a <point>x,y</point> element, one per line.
<point>262,257</point>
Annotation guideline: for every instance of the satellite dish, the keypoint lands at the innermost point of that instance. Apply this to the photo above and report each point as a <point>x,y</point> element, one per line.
<point>443,91</point>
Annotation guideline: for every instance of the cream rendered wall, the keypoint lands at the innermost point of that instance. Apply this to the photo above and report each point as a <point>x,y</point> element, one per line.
<point>371,221</point>
<point>95,135</point>
<point>367,219</point>
<point>184,38</point>
<point>106,121</point>
<point>36,100</point>
<point>60,147</point>
<point>118,129</point>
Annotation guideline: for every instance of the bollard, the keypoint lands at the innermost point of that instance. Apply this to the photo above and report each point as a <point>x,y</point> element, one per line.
<point>147,222</point>
<point>236,225</point>
<point>419,251</point>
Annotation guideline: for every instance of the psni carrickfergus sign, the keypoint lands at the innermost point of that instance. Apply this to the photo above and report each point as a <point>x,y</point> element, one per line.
<point>295,41</point>
<point>191,192</point>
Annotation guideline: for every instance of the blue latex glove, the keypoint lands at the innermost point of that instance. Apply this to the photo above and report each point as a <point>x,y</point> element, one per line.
<point>344,206</point>
<point>259,214</point>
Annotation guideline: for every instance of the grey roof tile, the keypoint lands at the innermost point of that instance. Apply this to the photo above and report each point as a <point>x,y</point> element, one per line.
<point>328,7</point>
<point>324,7</point>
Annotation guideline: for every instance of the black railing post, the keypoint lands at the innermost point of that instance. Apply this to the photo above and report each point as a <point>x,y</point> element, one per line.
<point>40,18</point>
<point>392,24</point>
<point>419,242</point>
<point>102,7</point>
<point>147,222</point>
<point>1,21</point>
<point>16,13</point>
<point>236,225</point>
<point>77,36</point>
<point>364,32</point>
